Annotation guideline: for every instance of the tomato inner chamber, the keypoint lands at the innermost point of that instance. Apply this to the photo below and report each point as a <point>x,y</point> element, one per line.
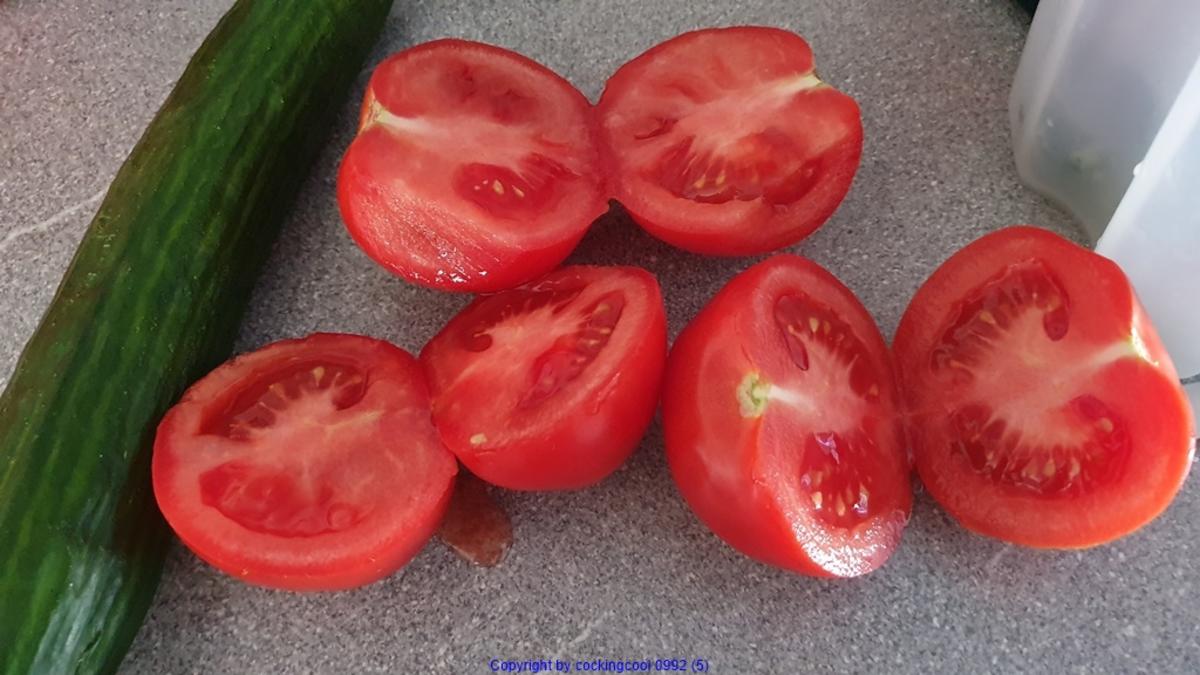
<point>811,330</point>
<point>571,354</point>
<point>999,307</point>
<point>286,412</point>
<point>575,334</point>
<point>767,165</point>
<point>267,500</point>
<point>508,193</point>
<point>720,143</point>
<point>1002,453</point>
<point>258,406</point>
<point>1007,330</point>
<point>836,473</point>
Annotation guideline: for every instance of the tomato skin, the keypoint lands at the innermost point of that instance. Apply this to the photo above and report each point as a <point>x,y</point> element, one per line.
<point>741,226</point>
<point>389,533</point>
<point>719,458</point>
<point>1140,388</point>
<point>443,119</point>
<point>600,426</point>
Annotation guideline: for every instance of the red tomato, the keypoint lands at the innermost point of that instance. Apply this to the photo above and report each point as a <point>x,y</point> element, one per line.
<point>1043,408</point>
<point>779,410</point>
<point>550,386</point>
<point>307,465</point>
<point>474,168</point>
<point>723,141</point>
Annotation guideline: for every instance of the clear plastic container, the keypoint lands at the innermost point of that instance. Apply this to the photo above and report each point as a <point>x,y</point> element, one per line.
<point>1105,115</point>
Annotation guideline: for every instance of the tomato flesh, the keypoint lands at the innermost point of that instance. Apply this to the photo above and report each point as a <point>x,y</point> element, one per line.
<point>1043,409</point>
<point>779,411</point>
<point>551,385</point>
<point>724,141</point>
<point>309,464</point>
<point>474,168</point>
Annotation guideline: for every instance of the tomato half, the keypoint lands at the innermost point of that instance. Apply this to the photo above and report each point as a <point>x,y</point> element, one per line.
<point>550,386</point>
<point>779,410</point>
<point>474,168</point>
<point>307,465</point>
<point>1043,408</point>
<point>724,141</point>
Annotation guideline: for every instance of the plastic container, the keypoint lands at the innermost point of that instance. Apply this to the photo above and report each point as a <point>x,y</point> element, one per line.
<point>1105,115</point>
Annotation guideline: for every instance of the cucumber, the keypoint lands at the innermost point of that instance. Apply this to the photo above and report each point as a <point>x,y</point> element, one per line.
<point>151,301</point>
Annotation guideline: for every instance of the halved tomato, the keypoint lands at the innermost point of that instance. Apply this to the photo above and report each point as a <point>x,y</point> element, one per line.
<point>307,465</point>
<point>1043,409</point>
<point>474,169</point>
<point>550,386</point>
<point>724,141</point>
<point>779,410</point>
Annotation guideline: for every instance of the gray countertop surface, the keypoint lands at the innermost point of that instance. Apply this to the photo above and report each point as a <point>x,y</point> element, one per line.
<point>622,570</point>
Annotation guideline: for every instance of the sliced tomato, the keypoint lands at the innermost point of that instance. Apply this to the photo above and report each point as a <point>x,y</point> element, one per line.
<point>550,386</point>
<point>1043,410</point>
<point>724,141</point>
<point>474,168</point>
<point>307,465</point>
<point>779,410</point>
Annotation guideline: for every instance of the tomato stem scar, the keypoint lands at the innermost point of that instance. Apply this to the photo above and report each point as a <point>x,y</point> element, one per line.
<point>752,395</point>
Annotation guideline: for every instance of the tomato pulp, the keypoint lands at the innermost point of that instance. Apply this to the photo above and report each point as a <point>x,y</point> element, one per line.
<point>551,385</point>
<point>724,141</point>
<point>1043,409</point>
<point>307,465</point>
<point>780,415</point>
<point>474,168</point>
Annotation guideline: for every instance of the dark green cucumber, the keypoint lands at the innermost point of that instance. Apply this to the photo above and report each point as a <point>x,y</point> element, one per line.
<point>152,301</point>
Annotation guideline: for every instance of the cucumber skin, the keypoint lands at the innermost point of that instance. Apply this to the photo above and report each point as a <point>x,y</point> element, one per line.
<point>151,301</point>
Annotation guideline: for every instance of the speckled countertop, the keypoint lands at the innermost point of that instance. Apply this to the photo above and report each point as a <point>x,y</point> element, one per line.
<point>622,570</point>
